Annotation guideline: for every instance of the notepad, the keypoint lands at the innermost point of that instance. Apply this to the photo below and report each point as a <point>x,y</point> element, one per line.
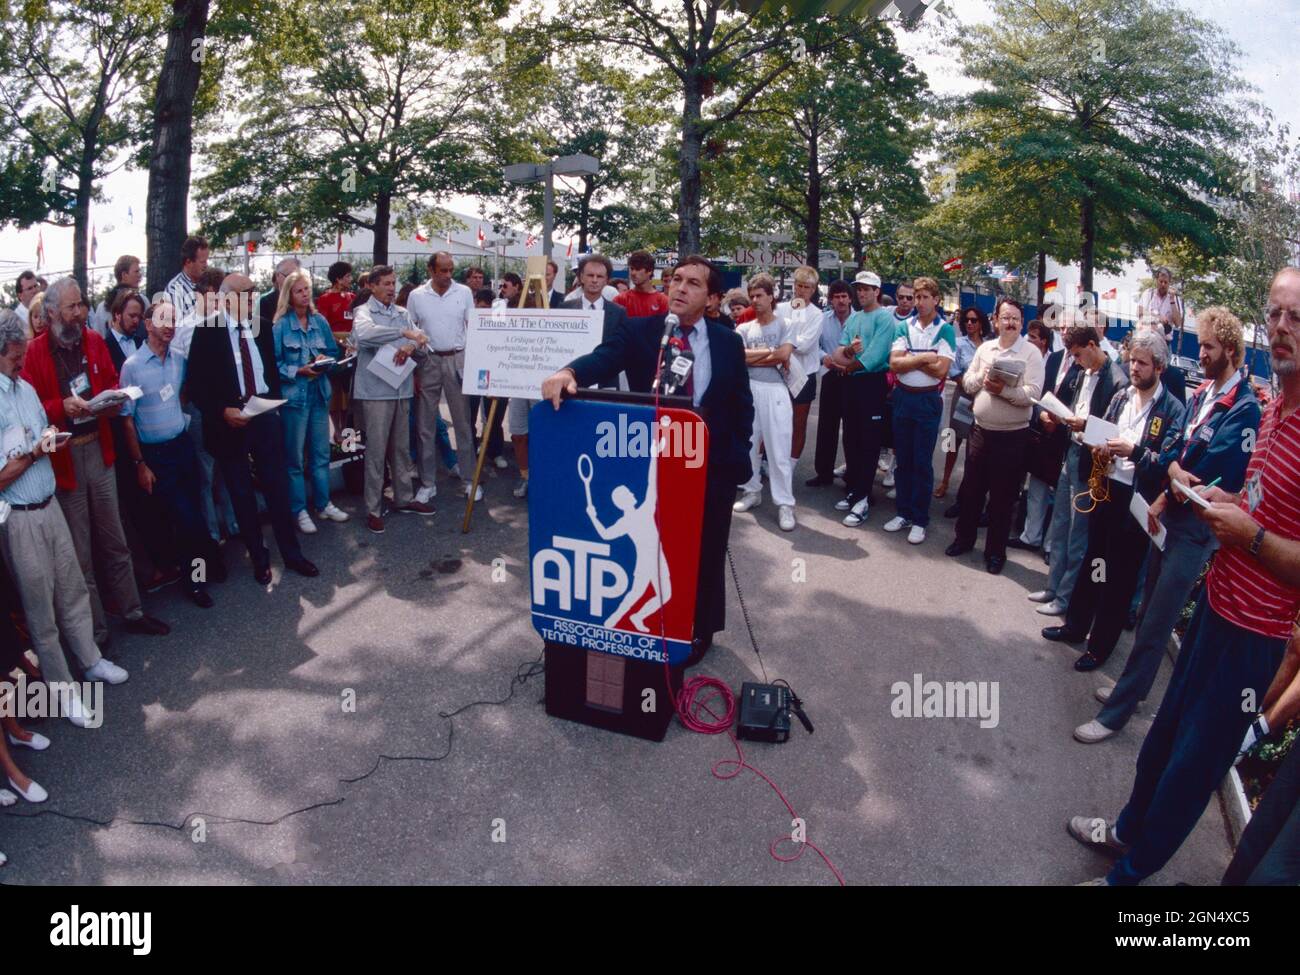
<point>1192,494</point>
<point>384,365</point>
<point>1139,507</point>
<point>257,405</point>
<point>114,397</point>
<point>1098,431</point>
<point>1054,406</point>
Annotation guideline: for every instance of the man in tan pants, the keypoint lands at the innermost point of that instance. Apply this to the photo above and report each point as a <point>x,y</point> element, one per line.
<point>37,547</point>
<point>68,366</point>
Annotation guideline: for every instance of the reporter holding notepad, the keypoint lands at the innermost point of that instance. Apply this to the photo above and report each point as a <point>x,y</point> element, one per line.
<point>302,337</point>
<point>1004,377</point>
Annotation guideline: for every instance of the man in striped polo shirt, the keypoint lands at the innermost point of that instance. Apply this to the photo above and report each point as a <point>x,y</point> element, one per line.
<point>1237,635</point>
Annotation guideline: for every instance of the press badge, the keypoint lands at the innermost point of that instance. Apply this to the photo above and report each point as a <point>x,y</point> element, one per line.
<point>1206,433</point>
<point>166,393</point>
<point>79,385</point>
<point>1254,492</point>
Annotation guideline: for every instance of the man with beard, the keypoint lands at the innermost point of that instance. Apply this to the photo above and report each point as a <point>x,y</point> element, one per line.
<point>69,366</point>
<point>1237,636</point>
<point>1221,418</point>
<point>1149,419</point>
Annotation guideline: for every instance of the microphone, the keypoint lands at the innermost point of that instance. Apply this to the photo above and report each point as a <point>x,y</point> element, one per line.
<point>671,321</point>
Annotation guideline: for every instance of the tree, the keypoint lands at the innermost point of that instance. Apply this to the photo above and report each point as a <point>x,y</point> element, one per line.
<point>1135,103</point>
<point>71,79</point>
<point>387,116</point>
<point>705,52</point>
<point>845,122</point>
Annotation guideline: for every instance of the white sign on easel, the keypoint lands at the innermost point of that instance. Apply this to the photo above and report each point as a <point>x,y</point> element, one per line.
<point>512,351</point>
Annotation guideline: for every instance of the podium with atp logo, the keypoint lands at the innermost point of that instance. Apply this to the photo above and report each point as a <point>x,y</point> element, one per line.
<point>615,508</point>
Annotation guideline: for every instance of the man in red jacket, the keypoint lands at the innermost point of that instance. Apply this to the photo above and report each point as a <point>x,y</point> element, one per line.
<point>68,366</point>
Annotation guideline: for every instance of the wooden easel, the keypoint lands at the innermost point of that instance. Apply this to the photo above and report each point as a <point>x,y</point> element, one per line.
<point>534,277</point>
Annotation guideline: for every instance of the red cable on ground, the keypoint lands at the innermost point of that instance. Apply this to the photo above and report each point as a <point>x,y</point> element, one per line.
<point>700,691</point>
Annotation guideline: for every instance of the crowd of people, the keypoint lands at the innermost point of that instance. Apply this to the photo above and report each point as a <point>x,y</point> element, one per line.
<point>1076,447</point>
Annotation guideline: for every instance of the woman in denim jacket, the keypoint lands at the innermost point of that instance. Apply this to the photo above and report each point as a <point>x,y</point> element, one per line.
<point>303,336</point>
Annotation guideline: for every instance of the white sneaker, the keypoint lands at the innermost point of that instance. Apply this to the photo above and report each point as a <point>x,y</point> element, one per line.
<point>37,742</point>
<point>464,491</point>
<point>76,712</point>
<point>426,494</point>
<point>844,503</point>
<point>889,479</point>
<point>785,517</point>
<point>333,513</point>
<point>305,524</point>
<point>841,470</point>
<point>858,513</point>
<point>886,461</point>
<point>747,500</point>
<point>897,524</point>
<point>1041,596</point>
<point>1102,694</point>
<point>1092,732</point>
<point>34,791</point>
<point>500,462</point>
<point>1056,607</point>
<point>521,489</point>
<point>917,535</point>
<point>107,671</point>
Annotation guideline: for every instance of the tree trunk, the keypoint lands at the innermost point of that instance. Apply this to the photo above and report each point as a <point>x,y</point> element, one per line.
<point>859,244</point>
<point>167,202</point>
<point>813,224</point>
<point>1088,229</point>
<point>688,201</point>
<point>81,214</point>
<point>383,216</point>
<point>1042,276</point>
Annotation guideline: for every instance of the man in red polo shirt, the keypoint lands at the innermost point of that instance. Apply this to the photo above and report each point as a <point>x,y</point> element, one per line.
<point>642,300</point>
<point>68,366</point>
<point>1238,633</point>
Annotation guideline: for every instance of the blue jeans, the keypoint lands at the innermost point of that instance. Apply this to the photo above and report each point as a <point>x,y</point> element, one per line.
<point>1069,528</point>
<point>917,417</point>
<point>1194,738</point>
<point>175,465</point>
<point>307,431</point>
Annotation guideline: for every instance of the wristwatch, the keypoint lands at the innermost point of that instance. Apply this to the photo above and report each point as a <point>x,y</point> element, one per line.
<point>1259,540</point>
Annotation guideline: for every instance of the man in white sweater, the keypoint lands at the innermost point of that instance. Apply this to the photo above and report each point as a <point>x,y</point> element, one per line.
<point>1005,377</point>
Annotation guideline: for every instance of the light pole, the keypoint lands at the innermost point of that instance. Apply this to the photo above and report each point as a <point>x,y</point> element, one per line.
<point>545,173</point>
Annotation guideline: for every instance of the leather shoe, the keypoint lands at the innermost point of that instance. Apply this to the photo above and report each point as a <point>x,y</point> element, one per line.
<point>1087,662</point>
<point>957,548</point>
<point>200,598</point>
<point>1014,542</point>
<point>262,573</point>
<point>819,481</point>
<point>994,564</point>
<point>953,510</point>
<point>147,625</point>
<point>1063,634</point>
<point>302,567</point>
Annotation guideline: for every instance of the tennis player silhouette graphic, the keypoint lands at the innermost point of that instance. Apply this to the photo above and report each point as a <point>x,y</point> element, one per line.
<point>638,524</point>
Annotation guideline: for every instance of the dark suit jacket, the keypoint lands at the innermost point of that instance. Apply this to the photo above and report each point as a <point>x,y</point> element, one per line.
<point>557,299</point>
<point>212,379</point>
<point>1216,448</point>
<point>727,406</point>
<point>1161,437</point>
<point>614,316</point>
<point>1110,380</point>
<point>115,350</point>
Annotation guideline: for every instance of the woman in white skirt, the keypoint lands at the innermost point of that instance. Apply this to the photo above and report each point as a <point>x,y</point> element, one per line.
<point>769,344</point>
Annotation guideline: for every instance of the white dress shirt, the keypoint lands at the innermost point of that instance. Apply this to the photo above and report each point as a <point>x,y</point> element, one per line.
<point>1130,421</point>
<point>233,329</point>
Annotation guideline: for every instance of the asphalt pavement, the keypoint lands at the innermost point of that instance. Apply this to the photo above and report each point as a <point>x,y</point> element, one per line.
<point>244,713</point>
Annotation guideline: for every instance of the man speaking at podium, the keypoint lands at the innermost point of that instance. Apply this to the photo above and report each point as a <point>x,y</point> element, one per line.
<point>718,385</point>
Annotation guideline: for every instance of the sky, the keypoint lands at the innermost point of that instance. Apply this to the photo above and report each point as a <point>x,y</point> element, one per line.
<point>1262,29</point>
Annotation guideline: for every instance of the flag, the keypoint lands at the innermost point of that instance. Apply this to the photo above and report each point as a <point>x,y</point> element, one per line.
<point>569,253</point>
<point>1110,295</point>
<point>251,247</point>
<point>449,238</point>
<point>297,238</point>
<point>954,263</point>
<point>482,238</point>
<point>40,250</point>
<point>421,238</point>
<point>529,241</point>
<point>1049,285</point>
<point>339,247</point>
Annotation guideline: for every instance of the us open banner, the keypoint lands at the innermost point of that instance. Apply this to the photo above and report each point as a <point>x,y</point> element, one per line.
<point>599,579</point>
<point>511,351</point>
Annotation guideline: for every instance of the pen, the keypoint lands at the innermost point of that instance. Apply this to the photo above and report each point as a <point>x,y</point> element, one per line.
<point>1206,487</point>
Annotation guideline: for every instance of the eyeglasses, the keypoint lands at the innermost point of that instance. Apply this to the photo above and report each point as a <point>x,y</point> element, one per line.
<point>1274,315</point>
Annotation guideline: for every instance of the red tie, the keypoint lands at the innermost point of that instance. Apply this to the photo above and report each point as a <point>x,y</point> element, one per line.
<point>690,376</point>
<point>246,364</point>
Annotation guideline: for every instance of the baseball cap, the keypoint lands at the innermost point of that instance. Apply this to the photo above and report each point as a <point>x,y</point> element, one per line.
<point>867,278</point>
